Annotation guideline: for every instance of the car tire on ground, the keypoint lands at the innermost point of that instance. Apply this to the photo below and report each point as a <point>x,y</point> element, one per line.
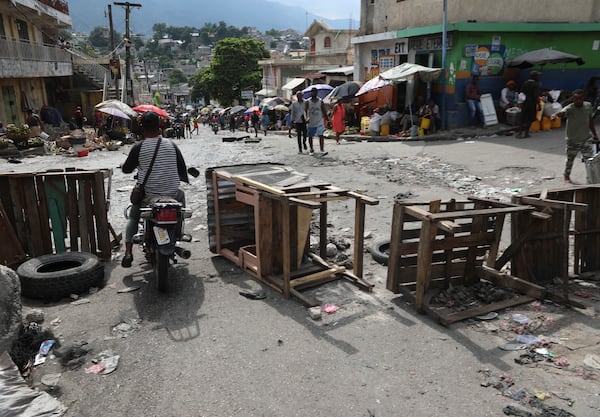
<point>380,251</point>
<point>55,276</point>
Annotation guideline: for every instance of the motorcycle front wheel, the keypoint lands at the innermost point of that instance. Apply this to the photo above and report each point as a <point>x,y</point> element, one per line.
<point>161,271</point>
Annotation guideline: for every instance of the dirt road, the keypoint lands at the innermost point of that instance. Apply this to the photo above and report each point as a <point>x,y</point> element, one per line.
<point>203,350</point>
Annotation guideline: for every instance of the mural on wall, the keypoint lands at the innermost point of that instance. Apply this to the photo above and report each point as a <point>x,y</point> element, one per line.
<point>381,60</point>
<point>486,59</point>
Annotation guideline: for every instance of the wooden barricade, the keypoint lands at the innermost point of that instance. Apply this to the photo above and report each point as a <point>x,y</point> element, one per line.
<point>546,249</point>
<point>437,243</point>
<point>55,211</point>
<point>259,217</point>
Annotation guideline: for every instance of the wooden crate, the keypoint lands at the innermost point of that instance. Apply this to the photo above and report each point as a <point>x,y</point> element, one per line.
<point>55,211</point>
<point>570,237</point>
<point>437,243</point>
<point>259,217</point>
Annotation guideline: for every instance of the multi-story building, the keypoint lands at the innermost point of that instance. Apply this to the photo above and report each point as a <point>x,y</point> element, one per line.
<point>34,68</point>
<point>481,38</point>
<point>329,48</point>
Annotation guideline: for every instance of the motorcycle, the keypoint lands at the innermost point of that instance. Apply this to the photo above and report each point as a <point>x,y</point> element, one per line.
<point>162,220</point>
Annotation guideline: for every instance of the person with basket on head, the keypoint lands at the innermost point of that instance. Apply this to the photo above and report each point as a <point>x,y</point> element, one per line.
<point>160,168</point>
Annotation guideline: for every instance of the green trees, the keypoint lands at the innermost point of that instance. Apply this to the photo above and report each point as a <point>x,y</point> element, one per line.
<point>234,68</point>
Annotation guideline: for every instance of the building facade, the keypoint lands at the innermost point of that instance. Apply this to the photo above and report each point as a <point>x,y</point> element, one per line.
<point>480,40</point>
<point>34,69</point>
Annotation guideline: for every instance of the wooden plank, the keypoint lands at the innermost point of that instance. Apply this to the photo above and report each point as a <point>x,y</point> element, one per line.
<point>286,237</point>
<point>72,213</point>
<point>323,230</point>
<point>555,204</point>
<point>359,237</point>
<point>495,246</point>
<point>304,217</point>
<point>318,277</point>
<point>478,212</point>
<point>11,251</point>
<point>89,212</point>
<point>424,263</point>
<point>263,235</point>
<point>81,208</point>
<point>448,319</point>
<point>17,198</point>
<point>100,207</point>
<point>32,216</point>
<point>45,232</point>
<point>55,192</point>
<point>365,199</point>
<point>392,280</point>
<point>248,181</point>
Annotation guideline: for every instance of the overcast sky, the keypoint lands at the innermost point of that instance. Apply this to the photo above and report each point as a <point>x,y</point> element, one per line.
<point>331,9</point>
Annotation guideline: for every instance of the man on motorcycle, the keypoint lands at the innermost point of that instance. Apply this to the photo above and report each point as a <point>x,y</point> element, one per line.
<point>167,171</point>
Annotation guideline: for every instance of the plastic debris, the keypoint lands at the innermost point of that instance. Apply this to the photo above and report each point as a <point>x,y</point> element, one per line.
<point>542,395</point>
<point>314,313</point>
<point>127,289</point>
<point>519,395</point>
<point>528,339</point>
<point>489,316</point>
<point>513,346</point>
<point>330,308</point>
<point>110,364</point>
<point>564,362</point>
<point>521,318</point>
<point>95,369</point>
<point>80,301</point>
<point>46,346</point>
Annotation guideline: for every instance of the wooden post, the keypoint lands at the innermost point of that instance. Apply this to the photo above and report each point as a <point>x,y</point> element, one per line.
<point>285,240</point>
<point>424,258</point>
<point>323,230</point>
<point>359,237</point>
<point>394,261</point>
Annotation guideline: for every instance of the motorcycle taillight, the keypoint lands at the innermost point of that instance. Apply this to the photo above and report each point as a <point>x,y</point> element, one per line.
<point>166,215</point>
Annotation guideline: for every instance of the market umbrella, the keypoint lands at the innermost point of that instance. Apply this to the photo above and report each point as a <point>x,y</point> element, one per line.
<point>237,109</point>
<point>373,84</point>
<point>322,90</point>
<point>114,112</point>
<point>281,107</point>
<point>116,104</point>
<point>342,91</point>
<point>407,71</point>
<point>252,110</point>
<point>542,57</point>
<point>143,108</point>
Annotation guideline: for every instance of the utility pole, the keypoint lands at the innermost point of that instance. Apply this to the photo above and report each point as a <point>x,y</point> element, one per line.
<point>113,73</point>
<point>128,81</point>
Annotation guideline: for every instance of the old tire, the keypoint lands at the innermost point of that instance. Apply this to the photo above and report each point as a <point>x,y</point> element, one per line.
<point>55,276</point>
<point>161,270</point>
<point>380,251</point>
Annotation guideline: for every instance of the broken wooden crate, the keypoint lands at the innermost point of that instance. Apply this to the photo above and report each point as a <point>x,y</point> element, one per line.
<point>434,244</point>
<point>54,211</point>
<point>545,250</point>
<point>259,217</point>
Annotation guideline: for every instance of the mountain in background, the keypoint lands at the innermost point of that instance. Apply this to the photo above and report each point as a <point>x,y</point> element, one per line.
<point>262,14</point>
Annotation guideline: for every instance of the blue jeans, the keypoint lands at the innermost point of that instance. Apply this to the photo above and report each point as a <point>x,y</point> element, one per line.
<point>474,108</point>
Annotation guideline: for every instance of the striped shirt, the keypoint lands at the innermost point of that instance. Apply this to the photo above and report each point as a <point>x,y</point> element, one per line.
<point>164,177</point>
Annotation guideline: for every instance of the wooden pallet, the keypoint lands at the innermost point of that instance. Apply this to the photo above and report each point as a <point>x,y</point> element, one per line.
<point>55,211</point>
<point>259,217</point>
<point>436,243</point>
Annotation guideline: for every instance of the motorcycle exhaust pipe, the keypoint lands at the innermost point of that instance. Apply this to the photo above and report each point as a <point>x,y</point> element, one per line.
<point>183,253</point>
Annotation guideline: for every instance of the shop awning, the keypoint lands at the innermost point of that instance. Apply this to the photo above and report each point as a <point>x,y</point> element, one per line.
<point>295,82</point>
<point>267,92</point>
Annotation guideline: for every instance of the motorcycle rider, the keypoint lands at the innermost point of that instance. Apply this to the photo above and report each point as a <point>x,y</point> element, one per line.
<point>168,170</point>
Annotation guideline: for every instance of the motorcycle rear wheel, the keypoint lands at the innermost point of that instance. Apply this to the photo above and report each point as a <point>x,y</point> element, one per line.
<point>161,271</point>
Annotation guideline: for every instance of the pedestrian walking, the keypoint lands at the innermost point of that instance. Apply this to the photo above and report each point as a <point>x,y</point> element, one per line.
<point>288,123</point>
<point>255,119</point>
<point>298,117</point>
<point>532,91</point>
<point>338,120</point>
<point>577,133</point>
<point>473,96</point>
<point>264,121</point>
<point>317,113</point>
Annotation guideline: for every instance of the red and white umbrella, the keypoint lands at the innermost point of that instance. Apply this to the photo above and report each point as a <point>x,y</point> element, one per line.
<point>373,84</point>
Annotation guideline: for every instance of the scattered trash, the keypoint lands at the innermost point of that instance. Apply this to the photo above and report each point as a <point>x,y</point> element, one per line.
<point>46,346</point>
<point>513,346</point>
<point>315,313</point>
<point>330,308</point>
<point>489,316</point>
<point>583,294</point>
<point>50,380</point>
<point>109,363</point>
<point>127,289</point>
<point>564,362</point>
<point>56,321</point>
<point>509,410</point>
<point>521,318</point>
<point>125,329</point>
<point>79,302</point>
<point>527,339</point>
<point>519,395</point>
<point>254,295</point>
<point>548,177</point>
<point>39,359</point>
<point>542,395</point>
<point>95,369</point>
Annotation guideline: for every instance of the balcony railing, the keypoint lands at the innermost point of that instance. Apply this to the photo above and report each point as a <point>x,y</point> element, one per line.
<point>24,51</point>
<point>59,5</point>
